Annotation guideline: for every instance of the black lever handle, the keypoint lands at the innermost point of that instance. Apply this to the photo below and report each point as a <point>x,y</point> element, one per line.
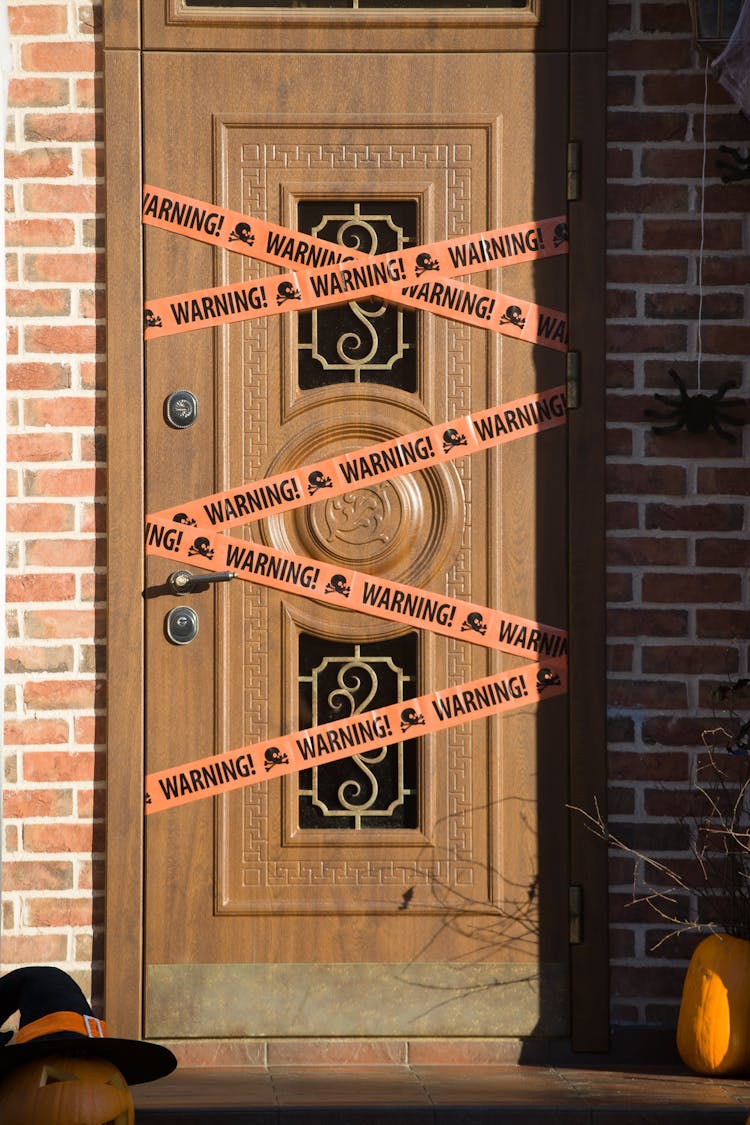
<point>183,582</point>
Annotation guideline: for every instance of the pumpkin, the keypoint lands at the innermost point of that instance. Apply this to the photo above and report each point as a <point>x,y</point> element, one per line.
<point>713,1029</point>
<point>66,1090</point>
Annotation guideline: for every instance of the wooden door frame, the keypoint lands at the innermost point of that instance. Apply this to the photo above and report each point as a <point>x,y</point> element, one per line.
<point>124,901</point>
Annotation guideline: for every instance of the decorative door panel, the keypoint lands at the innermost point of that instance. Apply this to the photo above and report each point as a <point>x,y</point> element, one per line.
<point>408,890</point>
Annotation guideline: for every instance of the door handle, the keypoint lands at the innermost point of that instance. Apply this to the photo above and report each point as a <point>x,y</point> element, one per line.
<point>183,582</point>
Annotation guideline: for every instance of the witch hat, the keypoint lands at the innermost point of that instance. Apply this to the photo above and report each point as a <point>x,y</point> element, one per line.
<point>56,1019</point>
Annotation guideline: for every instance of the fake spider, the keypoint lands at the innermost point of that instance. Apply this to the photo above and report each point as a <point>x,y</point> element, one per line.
<point>736,168</point>
<point>697,414</point>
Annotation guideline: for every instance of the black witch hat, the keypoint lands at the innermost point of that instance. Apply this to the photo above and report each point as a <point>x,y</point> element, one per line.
<point>56,1019</point>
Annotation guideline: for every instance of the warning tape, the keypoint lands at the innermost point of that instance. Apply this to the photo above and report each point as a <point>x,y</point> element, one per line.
<point>426,714</point>
<point>334,476</point>
<point>351,589</point>
<point>399,277</point>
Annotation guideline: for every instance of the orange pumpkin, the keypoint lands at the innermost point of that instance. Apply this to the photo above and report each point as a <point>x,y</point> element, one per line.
<point>713,1029</point>
<point>66,1090</point>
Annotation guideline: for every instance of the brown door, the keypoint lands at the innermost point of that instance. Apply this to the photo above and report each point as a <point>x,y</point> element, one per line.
<point>422,890</point>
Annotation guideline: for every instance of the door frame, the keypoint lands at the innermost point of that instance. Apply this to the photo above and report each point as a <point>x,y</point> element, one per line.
<point>124,900</point>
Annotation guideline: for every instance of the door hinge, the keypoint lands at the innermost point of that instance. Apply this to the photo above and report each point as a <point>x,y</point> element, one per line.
<point>573,380</point>
<point>575,914</point>
<point>574,171</point>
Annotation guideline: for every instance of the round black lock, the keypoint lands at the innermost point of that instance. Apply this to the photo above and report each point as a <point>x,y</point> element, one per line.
<point>181,625</point>
<point>181,409</point>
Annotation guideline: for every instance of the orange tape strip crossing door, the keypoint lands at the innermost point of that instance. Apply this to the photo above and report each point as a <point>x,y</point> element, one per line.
<point>420,277</point>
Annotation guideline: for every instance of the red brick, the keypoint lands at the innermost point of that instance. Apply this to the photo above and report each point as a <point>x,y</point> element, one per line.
<point>619,587</point>
<point>92,163</point>
<point>684,234</point>
<point>40,587</point>
<point>665,18</point>
<point>39,447</point>
<point>694,517</point>
<point>731,339</point>
<point>684,306</point>
<point>34,949</point>
<point>721,199</point>
<point>654,836</point>
<point>59,624</point>
<point>69,553</point>
<point>729,623</point>
<point>64,411</point>
<point>60,912</point>
<point>620,728</point>
<point>647,623</point>
<point>38,377</point>
<point>622,515</point>
<point>64,267</point>
<point>653,695</point>
<point>619,164</point>
<point>35,732</point>
<point>722,127</point>
<point>89,92</point>
<point>647,551</point>
<point>60,57</point>
<point>38,302</point>
<point>45,765</point>
<point>34,658</point>
<point>93,587</point>
<point>637,337</point>
<point>620,89</point>
<point>90,730</point>
<point>679,89</point>
<point>62,339</point>
<point>619,234</point>
<point>73,837</point>
<point>723,552</point>
<point>639,268</point>
<point>711,586</point>
<point>713,373</point>
<point>635,980</point>
<point>40,232</point>
<point>92,804</point>
<point>619,442</point>
<point>619,17</point>
<point>80,126</point>
<point>620,373</point>
<point>659,480</point>
<point>724,481</point>
<point>649,54</point>
<point>734,269</point>
<point>672,163</point>
<point>57,695</point>
<point>28,93</point>
<point>41,517</point>
<point>635,125</point>
<point>50,198</point>
<point>684,445</point>
<point>94,518</point>
<point>26,803</point>
<point>624,765</point>
<point>41,19</point>
<point>620,658</point>
<point>646,199</point>
<point>36,875</point>
<point>620,303</point>
<point>63,482</point>
<point>688,659</point>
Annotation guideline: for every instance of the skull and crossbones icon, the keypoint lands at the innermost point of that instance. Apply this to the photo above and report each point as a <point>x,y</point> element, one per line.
<point>287,292</point>
<point>452,439</point>
<point>514,316</point>
<point>151,320</point>
<point>474,623</point>
<point>410,717</point>
<point>275,757</point>
<point>182,517</point>
<point>202,546</point>
<point>317,480</point>
<point>338,585</point>
<point>560,234</point>
<point>242,233</point>
<point>545,678</point>
<point>424,263</point>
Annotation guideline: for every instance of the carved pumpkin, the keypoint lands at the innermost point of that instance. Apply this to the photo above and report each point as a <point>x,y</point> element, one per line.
<point>713,1030</point>
<point>66,1090</point>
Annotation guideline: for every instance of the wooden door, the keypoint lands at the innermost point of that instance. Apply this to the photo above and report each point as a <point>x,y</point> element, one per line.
<point>425,893</point>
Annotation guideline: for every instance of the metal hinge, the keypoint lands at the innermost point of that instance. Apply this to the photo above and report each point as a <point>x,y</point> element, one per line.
<point>575,914</point>
<point>573,380</point>
<point>574,170</point>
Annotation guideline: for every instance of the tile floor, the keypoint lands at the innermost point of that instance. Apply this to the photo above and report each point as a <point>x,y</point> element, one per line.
<point>442,1094</point>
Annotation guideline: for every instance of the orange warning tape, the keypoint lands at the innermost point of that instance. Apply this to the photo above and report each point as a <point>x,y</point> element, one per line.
<point>352,589</point>
<point>396,276</point>
<point>290,753</point>
<point>436,444</point>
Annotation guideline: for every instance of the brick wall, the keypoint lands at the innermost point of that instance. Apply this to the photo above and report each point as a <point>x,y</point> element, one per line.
<point>678,519</point>
<point>54,693</point>
<point>678,548</point>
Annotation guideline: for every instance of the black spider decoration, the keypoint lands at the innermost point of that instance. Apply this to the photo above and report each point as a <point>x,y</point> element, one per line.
<point>736,168</point>
<point>697,414</point>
